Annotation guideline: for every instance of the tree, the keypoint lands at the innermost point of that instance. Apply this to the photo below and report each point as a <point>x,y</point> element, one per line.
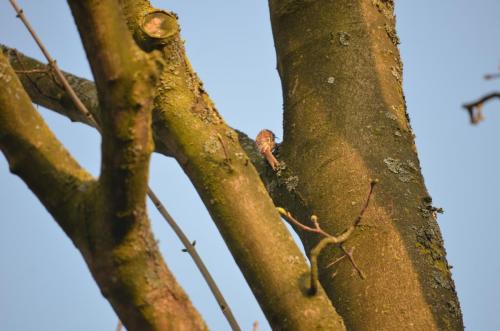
<point>353,120</point>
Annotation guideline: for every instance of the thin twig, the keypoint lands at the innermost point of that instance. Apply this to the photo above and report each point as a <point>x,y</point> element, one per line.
<point>52,63</point>
<point>30,78</point>
<point>474,108</point>
<point>337,260</point>
<point>197,260</point>
<point>329,239</point>
<point>492,76</point>
<point>161,208</point>
<point>289,217</point>
<point>348,254</point>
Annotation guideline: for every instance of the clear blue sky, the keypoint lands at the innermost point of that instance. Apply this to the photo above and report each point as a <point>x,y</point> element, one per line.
<point>447,46</point>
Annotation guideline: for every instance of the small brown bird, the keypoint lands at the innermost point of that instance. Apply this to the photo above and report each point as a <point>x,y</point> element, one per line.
<point>265,143</point>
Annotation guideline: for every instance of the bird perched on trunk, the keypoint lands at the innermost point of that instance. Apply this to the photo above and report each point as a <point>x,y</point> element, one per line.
<point>265,142</point>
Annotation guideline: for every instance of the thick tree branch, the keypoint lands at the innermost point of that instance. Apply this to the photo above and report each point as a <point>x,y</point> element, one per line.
<point>45,90</point>
<point>52,96</point>
<point>209,152</point>
<point>161,137</point>
<point>125,82</point>
<point>32,149</point>
<point>52,63</point>
<point>119,247</point>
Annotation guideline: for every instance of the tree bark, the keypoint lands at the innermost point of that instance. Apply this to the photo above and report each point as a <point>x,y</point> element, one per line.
<point>345,123</point>
<point>209,152</point>
<point>118,260</point>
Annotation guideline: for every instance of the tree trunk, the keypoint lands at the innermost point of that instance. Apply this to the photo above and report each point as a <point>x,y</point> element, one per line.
<point>344,124</point>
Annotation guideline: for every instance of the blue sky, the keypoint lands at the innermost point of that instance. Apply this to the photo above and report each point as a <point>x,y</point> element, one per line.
<point>446,47</point>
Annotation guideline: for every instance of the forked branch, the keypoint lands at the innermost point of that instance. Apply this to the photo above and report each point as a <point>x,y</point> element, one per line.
<point>139,312</point>
<point>328,239</point>
<point>475,108</point>
<point>81,108</point>
<point>31,148</point>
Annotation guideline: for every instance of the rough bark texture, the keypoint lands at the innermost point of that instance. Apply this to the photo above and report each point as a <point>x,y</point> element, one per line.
<point>126,265</point>
<point>345,123</point>
<point>210,154</point>
<point>45,90</point>
<point>30,148</point>
<point>105,218</point>
<point>188,125</point>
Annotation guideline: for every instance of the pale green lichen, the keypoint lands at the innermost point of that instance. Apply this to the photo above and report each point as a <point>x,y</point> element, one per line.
<point>412,165</point>
<point>400,168</point>
<point>396,72</point>
<point>286,177</point>
<point>385,7</point>
<point>427,210</point>
<point>293,259</point>
<point>344,38</point>
<point>212,145</point>
<point>391,116</point>
<point>397,109</point>
<point>341,38</point>
<point>440,280</point>
<point>205,113</point>
<point>291,183</point>
<point>453,308</point>
<point>231,135</point>
<point>391,33</point>
<point>4,75</point>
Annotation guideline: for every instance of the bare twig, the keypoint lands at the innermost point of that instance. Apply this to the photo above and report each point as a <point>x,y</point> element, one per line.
<point>474,108</point>
<point>492,76</point>
<point>52,63</point>
<point>329,239</point>
<point>337,260</point>
<point>163,211</point>
<point>31,80</point>
<point>314,219</point>
<point>349,255</point>
<point>197,260</point>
